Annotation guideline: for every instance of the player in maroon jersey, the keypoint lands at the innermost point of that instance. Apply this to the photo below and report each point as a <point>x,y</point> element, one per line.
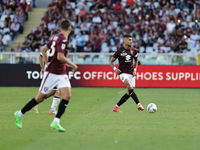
<point>56,98</point>
<point>55,75</point>
<point>125,56</point>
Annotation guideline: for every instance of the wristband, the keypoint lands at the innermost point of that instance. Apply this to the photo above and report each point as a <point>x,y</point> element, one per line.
<point>114,68</point>
<point>135,69</point>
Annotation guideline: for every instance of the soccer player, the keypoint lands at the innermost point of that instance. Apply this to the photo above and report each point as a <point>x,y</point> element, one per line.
<point>56,98</point>
<point>54,76</point>
<point>125,56</point>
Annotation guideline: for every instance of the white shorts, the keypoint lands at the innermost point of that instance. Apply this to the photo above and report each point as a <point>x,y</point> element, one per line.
<point>50,81</point>
<point>130,77</point>
<point>55,88</point>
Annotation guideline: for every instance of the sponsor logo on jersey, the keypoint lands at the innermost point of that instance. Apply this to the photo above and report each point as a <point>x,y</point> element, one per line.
<point>64,40</point>
<point>123,54</point>
<point>55,38</point>
<point>63,46</point>
<point>128,58</point>
<point>131,52</point>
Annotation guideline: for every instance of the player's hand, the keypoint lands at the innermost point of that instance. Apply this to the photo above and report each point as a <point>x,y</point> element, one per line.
<point>134,73</point>
<point>117,71</point>
<point>42,70</point>
<point>75,67</point>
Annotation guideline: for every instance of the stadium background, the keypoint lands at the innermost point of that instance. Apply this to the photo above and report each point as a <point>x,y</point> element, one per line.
<point>165,33</point>
<point>89,121</point>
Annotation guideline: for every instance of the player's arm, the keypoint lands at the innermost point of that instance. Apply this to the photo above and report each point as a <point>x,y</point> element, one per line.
<point>113,66</point>
<point>68,65</point>
<point>44,54</point>
<point>136,65</point>
<point>63,59</point>
<point>41,64</point>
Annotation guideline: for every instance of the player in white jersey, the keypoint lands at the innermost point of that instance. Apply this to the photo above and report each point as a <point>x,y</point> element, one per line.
<point>56,98</point>
<point>55,75</point>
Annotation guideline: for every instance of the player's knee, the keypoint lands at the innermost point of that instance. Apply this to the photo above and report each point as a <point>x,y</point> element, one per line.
<point>130,91</point>
<point>42,100</point>
<point>127,93</point>
<point>39,100</point>
<point>47,96</point>
<point>67,97</point>
<point>129,87</point>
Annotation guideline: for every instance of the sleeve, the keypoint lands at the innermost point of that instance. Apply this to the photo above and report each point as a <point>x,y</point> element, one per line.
<point>136,53</point>
<point>49,44</point>
<point>116,54</point>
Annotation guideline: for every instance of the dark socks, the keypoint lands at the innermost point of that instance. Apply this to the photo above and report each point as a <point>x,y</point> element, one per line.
<point>123,99</point>
<point>134,96</point>
<point>61,108</point>
<point>29,105</point>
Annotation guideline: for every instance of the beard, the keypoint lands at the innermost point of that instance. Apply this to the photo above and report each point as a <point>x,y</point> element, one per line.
<point>128,45</point>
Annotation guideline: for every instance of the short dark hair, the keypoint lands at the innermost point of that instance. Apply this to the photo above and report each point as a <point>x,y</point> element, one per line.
<point>55,32</point>
<point>127,36</point>
<point>65,24</point>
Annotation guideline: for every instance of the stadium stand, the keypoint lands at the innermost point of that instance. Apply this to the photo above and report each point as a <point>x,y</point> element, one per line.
<point>157,26</point>
<point>13,14</point>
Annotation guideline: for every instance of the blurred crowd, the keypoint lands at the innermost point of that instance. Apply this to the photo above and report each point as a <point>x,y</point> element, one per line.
<point>157,26</point>
<point>13,14</point>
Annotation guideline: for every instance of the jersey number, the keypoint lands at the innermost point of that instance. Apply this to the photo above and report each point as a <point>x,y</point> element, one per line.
<point>52,51</point>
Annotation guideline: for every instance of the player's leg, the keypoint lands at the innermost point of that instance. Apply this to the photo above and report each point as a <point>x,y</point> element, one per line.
<point>35,108</point>
<point>124,98</point>
<point>66,95</point>
<point>130,85</point>
<point>56,100</point>
<point>64,87</point>
<point>18,114</point>
<point>47,84</point>
<point>50,94</point>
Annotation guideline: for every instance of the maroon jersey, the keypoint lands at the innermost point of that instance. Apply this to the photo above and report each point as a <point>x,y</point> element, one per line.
<point>125,58</point>
<point>48,52</point>
<point>57,45</point>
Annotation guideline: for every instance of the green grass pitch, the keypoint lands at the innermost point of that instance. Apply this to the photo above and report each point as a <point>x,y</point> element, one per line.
<point>91,125</point>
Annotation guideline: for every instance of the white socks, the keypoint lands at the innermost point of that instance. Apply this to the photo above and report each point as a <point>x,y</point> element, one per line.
<point>20,113</point>
<point>56,119</point>
<point>55,102</point>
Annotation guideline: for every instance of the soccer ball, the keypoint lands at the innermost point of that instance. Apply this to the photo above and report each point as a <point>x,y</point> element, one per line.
<point>152,108</point>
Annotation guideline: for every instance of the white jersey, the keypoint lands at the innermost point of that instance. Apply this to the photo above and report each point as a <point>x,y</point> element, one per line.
<point>48,51</point>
